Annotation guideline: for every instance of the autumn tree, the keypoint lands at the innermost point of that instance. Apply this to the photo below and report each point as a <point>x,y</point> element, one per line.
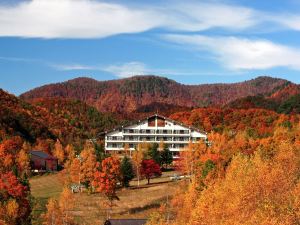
<point>14,186</point>
<point>70,152</point>
<point>58,212</point>
<point>150,169</point>
<point>127,173</point>
<point>53,214</point>
<point>66,203</point>
<point>44,145</point>
<point>59,152</point>
<point>186,162</point>
<point>81,168</point>
<point>88,164</point>
<point>105,181</point>
<point>256,190</point>
<point>74,170</point>
<point>23,163</point>
<point>137,157</point>
<point>15,204</point>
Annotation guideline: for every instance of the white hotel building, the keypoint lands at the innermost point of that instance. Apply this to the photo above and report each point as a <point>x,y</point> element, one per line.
<point>153,129</point>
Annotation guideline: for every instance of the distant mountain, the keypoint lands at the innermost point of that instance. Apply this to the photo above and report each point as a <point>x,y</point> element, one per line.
<point>282,100</point>
<point>50,119</point>
<point>146,93</point>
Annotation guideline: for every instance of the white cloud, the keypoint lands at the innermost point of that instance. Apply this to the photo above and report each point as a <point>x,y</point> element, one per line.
<point>127,69</point>
<point>66,67</point>
<point>72,19</point>
<point>201,16</point>
<point>99,19</point>
<point>240,53</point>
<point>290,21</point>
<point>96,19</point>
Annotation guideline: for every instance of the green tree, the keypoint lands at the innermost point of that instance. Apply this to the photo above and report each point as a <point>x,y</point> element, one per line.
<point>127,172</point>
<point>153,153</point>
<point>166,157</point>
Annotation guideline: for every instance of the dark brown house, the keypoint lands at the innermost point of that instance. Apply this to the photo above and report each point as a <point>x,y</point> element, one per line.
<point>42,162</point>
<point>125,222</point>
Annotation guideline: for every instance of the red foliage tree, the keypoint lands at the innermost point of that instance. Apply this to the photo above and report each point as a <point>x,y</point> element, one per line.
<point>149,169</point>
<point>14,204</point>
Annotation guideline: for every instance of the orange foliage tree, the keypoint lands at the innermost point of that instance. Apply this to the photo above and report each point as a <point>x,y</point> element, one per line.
<point>81,169</point>
<point>105,181</point>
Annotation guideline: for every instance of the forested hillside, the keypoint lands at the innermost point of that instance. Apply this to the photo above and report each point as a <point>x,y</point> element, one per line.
<point>282,100</point>
<point>256,123</point>
<point>64,119</point>
<point>144,92</point>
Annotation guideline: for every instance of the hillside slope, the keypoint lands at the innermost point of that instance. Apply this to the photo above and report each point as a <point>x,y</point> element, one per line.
<point>50,119</point>
<point>141,92</point>
<point>284,100</point>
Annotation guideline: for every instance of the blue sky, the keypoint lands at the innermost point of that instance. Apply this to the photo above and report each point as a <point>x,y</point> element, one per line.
<point>190,41</point>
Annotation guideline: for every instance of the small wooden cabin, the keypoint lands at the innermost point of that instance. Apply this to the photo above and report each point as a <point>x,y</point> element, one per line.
<point>42,162</point>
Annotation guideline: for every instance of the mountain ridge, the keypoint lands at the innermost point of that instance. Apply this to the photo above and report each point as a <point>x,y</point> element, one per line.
<point>134,93</point>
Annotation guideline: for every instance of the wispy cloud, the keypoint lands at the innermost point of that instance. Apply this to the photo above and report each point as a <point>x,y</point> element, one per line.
<point>121,70</point>
<point>127,69</point>
<point>67,67</point>
<point>97,19</point>
<point>17,59</point>
<point>241,53</point>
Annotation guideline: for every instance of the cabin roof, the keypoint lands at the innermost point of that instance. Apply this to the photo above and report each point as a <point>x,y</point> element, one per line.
<point>42,154</point>
<point>125,222</point>
<point>153,116</point>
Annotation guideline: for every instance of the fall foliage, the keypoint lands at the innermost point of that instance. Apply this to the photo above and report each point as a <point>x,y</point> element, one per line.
<point>150,169</point>
<point>14,189</point>
<point>58,212</point>
<point>105,181</point>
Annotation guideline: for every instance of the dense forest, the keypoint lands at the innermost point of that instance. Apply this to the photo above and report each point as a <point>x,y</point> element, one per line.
<point>51,119</point>
<point>248,172</point>
<point>142,92</point>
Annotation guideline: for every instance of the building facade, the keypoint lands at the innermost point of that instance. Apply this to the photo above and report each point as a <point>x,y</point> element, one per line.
<point>153,129</point>
<point>42,162</point>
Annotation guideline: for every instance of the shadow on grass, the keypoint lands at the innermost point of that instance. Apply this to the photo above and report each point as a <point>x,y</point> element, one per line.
<point>149,185</point>
<point>153,205</point>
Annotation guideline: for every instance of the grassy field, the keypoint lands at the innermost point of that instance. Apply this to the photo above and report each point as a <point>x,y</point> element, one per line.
<point>89,208</point>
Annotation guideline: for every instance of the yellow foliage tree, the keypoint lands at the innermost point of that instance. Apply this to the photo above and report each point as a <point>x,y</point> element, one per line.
<point>254,191</point>
<point>59,152</point>
<point>137,158</point>
<point>58,212</point>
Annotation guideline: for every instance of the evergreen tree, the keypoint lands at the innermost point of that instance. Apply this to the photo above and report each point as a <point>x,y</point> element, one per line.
<point>99,151</point>
<point>166,157</point>
<point>154,153</point>
<point>127,172</point>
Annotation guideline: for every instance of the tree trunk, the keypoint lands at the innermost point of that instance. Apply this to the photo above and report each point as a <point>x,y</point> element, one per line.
<point>148,180</point>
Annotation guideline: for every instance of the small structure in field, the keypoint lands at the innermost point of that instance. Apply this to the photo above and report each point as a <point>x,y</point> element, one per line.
<point>42,162</point>
<point>125,222</point>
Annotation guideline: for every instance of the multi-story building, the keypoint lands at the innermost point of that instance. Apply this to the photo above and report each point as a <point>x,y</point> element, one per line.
<point>153,129</point>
